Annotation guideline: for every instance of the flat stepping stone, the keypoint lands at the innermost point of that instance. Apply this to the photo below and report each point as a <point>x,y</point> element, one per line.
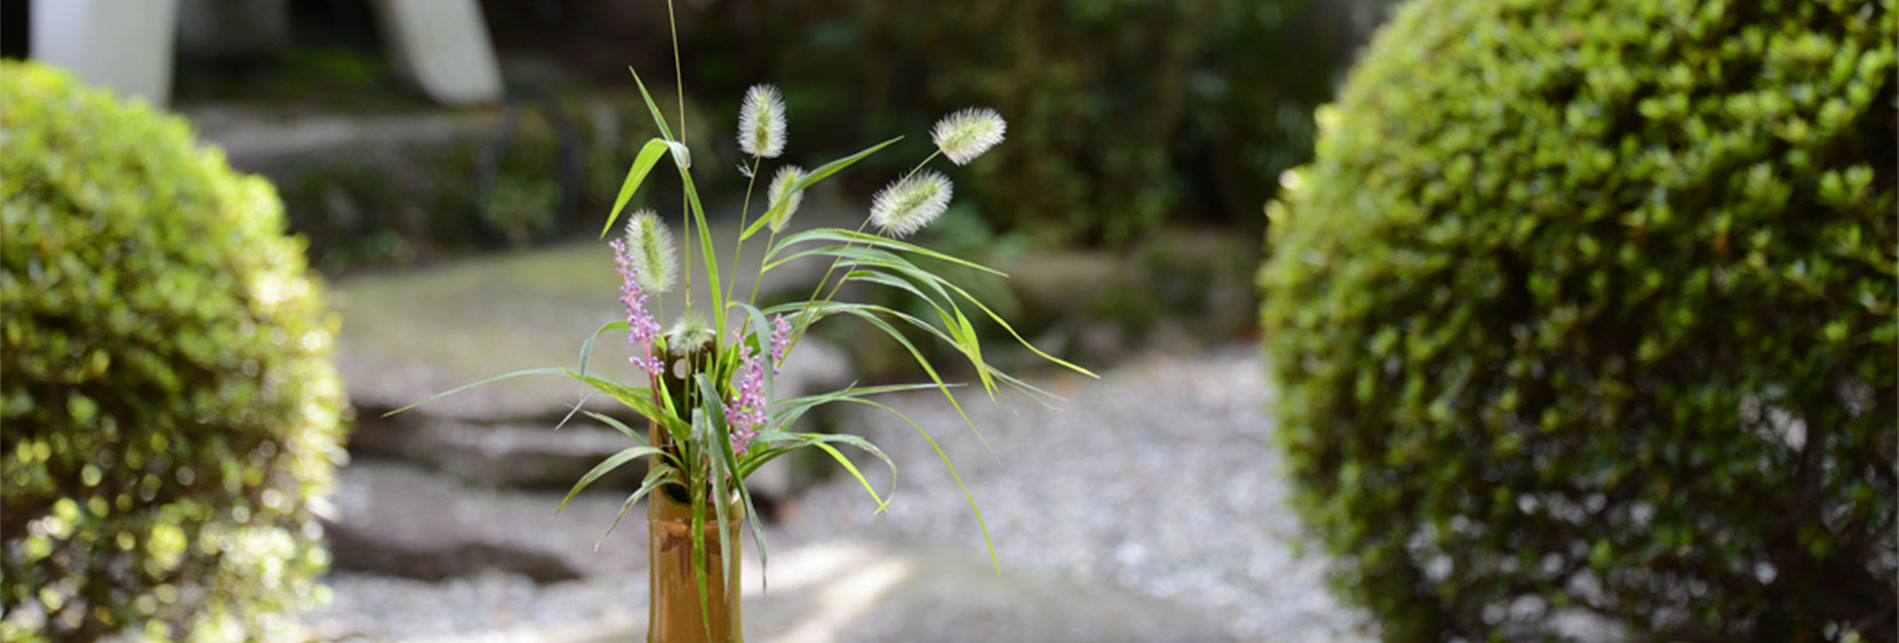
<point>409,335</point>
<point>396,520</point>
<point>502,456</point>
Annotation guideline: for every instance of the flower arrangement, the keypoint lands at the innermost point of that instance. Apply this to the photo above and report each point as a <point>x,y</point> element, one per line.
<point>708,391</point>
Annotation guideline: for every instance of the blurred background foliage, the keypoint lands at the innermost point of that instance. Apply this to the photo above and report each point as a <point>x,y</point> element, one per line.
<point>1588,307</point>
<point>1124,116</point>
<point>1138,131</point>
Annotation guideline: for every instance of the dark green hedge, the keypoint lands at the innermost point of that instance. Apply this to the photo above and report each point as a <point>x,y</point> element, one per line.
<point>1594,302</point>
<point>170,404</point>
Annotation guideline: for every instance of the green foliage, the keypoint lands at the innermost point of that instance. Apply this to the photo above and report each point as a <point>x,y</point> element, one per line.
<point>1123,115</point>
<point>1594,302</point>
<point>170,402</point>
<point>383,206</point>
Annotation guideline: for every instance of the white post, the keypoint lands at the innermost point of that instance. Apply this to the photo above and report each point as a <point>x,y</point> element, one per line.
<point>443,45</point>
<point>121,45</point>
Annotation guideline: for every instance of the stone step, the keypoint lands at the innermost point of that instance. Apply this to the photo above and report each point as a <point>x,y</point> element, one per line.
<point>504,455</point>
<point>397,520</point>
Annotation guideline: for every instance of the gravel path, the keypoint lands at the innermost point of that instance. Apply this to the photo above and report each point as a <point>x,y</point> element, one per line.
<point>1157,479</point>
<point>1154,487</point>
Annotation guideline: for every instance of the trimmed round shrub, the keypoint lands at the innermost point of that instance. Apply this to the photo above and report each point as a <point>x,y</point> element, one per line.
<point>1588,308</point>
<point>170,404</point>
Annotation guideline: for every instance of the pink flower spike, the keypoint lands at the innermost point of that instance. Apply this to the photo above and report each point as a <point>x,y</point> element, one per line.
<point>745,415</point>
<point>780,340</point>
<point>642,328</point>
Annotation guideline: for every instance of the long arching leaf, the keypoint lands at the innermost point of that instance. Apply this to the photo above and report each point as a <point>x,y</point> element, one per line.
<point>803,440</point>
<point>658,119</point>
<point>870,314</point>
<point>958,477</point>
<point>586,353</point>
<point>491,380</point>
<point>812,178</point>
<point>654,479</point>
<point>612,462</point>
<point>636,174</point>
<point>638,399</point>
<point>848,237</point>
<point>619,426</point>
<point>719,445</point>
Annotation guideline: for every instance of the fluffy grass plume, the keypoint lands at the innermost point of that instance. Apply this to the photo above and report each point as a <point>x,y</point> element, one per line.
<point>761,122</point>
<point>688,336</point>
<point>967,133</point>
<point>781,183</point>
<point>651,247</point>
<point>907,205</point>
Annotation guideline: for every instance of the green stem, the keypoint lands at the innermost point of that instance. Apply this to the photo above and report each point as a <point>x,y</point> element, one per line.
<point>769,242</point>
<point>926,161</point>
<point>678,90</point>
<point>744,209</point>
<point>685,209</point>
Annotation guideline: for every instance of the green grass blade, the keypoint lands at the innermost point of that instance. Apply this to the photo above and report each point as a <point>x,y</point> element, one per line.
<point>586,353</point>
<point>839,253</point>
<point>491,380</point>
<point>958,477</point>
<point>1018,336</point>
<point>635,175</point>
<point>798,403</point>
<point>822,440</point>
<point>865,312</point>
<point>812,178</point>
<point>758,533</point>
<point>612,462</point>
<point>957,330</point>
<point>619,426</point>
<point>638,399</point>
<point>846,463</point>
<point>720,446</point>
<point>1032,391</point>
<point>848,237</point>
<point>654,479</point>
<point>699,562</point>
<point>658,118</point>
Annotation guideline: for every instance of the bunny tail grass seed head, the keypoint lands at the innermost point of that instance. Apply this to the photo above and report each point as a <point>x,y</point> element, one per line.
<point>651,245</point>
<point>688,336</point>
<point>966,134</point>
<point>907,205</point>
<point>761,122</point>
<point>781,183</point>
